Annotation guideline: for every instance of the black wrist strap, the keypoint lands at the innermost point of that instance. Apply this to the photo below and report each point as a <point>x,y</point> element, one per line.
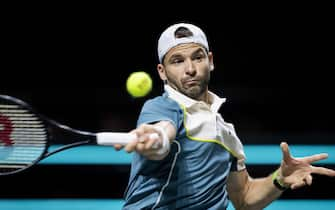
<point>276,183</point>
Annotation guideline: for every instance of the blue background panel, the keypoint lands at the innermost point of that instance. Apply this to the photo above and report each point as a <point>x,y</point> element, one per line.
<point>115,204</point>
<point>256,154</point>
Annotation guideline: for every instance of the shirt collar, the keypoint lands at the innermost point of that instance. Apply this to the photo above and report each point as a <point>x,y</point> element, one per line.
<point>188,102</point>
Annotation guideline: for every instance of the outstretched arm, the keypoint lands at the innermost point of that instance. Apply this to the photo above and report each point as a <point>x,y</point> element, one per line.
<point>248,193</point>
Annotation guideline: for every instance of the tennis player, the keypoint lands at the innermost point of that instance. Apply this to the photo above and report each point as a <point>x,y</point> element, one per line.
<point>198,162</point>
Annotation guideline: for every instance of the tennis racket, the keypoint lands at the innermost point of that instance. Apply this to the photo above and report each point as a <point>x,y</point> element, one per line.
<point>25,136</point>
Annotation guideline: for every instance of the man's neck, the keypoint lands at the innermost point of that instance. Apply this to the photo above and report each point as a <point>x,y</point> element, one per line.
<point>205,97</point>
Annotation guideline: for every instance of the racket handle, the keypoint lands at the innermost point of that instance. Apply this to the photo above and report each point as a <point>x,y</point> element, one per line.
<point>111,138</point>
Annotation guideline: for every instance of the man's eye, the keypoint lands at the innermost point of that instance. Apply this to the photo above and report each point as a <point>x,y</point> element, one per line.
<point>176,61</point>
<point>199,57</point>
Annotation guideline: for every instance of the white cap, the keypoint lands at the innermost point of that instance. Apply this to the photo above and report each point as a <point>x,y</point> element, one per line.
<point>168,39</point>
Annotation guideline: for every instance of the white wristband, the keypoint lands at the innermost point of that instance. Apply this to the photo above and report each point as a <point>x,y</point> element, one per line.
<point>165,147</point>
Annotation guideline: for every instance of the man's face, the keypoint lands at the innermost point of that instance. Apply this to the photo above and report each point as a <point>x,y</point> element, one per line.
<point>186,67</point>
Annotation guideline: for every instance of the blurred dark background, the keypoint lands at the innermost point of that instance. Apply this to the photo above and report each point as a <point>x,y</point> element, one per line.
<point>273,63</point>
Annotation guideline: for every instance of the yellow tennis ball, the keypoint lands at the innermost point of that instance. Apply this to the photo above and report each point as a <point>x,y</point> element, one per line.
<point>139,84</point>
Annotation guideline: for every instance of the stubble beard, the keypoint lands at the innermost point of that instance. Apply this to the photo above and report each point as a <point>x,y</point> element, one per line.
<point>195,91</point>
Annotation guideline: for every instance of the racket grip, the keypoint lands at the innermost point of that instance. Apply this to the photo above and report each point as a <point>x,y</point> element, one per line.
<point>111,138</point>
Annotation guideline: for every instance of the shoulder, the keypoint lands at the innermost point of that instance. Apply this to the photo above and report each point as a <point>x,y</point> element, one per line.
<point>161,108</point>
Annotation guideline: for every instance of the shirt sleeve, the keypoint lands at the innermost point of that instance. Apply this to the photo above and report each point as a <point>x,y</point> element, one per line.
<point>161,109</point>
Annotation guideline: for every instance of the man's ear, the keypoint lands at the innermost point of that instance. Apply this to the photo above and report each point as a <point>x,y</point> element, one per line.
<point>210,59</point>
<point>161,72</point>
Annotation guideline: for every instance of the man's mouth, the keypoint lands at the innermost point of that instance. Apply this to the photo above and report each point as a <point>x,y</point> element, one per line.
<point>190,82</point>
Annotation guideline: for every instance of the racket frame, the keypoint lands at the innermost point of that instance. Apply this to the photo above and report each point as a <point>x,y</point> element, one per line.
<point>48,124</point>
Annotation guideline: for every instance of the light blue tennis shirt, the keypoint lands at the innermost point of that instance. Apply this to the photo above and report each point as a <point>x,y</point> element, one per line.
<point>194,174</point>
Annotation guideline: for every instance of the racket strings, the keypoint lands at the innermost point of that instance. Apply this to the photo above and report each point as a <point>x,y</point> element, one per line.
<point>23,137</point>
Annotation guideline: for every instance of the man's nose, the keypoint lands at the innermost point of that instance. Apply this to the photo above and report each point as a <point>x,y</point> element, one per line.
<point>190,67</point>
